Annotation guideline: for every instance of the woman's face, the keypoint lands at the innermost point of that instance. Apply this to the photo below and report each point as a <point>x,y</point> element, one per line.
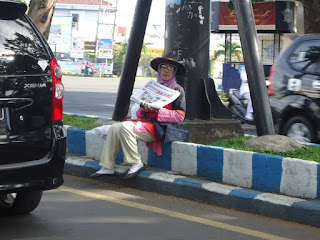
<point>166,71</point>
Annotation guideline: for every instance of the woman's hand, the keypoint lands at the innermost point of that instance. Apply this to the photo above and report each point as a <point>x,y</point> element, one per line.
<point>147,108</point>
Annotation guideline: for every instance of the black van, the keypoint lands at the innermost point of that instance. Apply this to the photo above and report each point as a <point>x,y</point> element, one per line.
<point>32,137</point>
<point>295,90</point>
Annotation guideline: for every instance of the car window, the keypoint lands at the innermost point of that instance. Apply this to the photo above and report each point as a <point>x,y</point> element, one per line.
<point>21,51</point>
<point>306,57</point>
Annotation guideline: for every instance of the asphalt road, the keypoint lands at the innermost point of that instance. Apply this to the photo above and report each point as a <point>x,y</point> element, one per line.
<point>85,209</point>
<point>97,96</point>
<point>93,95</point>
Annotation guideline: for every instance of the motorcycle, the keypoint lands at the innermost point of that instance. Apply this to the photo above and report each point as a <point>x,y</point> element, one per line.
<point>87,71</point>
<point>238,106</point>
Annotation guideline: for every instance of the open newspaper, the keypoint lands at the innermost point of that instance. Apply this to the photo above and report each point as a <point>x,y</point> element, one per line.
<point>155,94</point>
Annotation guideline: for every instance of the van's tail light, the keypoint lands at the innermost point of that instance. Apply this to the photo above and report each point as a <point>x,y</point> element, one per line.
<point>270,87</point>
<point>58,91</point>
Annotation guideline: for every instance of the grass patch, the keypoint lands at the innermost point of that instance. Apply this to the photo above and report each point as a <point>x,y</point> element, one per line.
<point>311,153</point>
<point>79,122</point>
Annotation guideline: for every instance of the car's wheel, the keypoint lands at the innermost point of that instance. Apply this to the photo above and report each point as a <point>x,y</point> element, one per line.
<point>19,203</point>
<point>300,129</point>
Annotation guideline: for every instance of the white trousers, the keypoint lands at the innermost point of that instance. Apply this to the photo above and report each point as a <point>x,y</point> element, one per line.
<point>122,134</point>
<point>249,106</point>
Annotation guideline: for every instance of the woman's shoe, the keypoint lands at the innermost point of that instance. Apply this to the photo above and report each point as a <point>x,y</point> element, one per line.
<point>103,172</point>
<point>134,171</point>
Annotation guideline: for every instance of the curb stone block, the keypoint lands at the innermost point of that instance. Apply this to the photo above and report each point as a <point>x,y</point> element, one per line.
<point>143,151</point>
<point>163,161</point>
<point>266,172</point>
<point>210,162</point>
<point>184,158</point>
<point>76,140</point>
<point>94,145</point>
<point>237,167</point>
<point>299,178</point>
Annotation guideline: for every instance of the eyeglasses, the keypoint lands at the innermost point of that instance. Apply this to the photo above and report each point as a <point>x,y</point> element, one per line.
<point>170,68</point>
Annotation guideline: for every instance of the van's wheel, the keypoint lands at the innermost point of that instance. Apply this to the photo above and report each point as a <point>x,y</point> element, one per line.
<point>19,203</point>
<point>300,129</point>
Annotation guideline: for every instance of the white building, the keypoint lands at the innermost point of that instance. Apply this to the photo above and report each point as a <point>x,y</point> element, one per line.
<point>80,24</point>
<point>75,23</point>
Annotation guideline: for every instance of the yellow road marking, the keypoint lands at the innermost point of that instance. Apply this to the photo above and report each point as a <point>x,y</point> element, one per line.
<point>176,214</point>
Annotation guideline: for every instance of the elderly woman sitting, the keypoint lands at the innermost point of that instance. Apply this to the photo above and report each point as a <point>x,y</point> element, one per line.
<point>126,134</point>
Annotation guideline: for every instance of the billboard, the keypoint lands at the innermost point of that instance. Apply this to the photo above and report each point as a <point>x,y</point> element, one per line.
<point>269,16</point>
<point>60,34</point>
<point>105,49</point>
<point>77,48</point>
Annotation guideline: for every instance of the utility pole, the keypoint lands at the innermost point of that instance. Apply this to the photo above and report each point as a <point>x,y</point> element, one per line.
<point>188,37</point>
<point>256,78</point>
<point>114,21</point>
<point>97,34</point>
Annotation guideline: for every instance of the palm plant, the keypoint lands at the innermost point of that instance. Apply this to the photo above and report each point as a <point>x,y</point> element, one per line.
<point>236,52</point>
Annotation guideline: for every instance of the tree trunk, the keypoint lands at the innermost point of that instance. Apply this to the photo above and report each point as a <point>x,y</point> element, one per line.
<point>41,12</point>
<point>311,16</point>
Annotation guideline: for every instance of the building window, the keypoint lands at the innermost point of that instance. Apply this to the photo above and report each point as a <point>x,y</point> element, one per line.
<point>75,22</point>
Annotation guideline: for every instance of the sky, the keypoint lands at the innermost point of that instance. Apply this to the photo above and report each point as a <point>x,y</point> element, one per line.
<point>156,21</point>
<point>126,11</point>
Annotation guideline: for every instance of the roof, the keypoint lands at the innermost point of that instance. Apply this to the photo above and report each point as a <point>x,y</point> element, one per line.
<point>85,2</point>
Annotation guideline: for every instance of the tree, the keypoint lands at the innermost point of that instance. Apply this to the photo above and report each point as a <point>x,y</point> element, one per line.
<point>236,53</point>
<point>311,14</point>
<point>145,60</point>
<point>119,52</point>
<point>92,56</point>
<point>41,12</point>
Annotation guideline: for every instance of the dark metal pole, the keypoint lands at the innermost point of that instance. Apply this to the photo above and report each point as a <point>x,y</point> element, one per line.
<point>188,36</point>
<point>131,61</point>
<point>256,78</point>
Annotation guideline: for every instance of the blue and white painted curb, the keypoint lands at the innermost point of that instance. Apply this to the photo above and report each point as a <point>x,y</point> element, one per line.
<point>261,172</point>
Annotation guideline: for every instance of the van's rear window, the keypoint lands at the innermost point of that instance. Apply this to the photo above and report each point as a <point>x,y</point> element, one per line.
<point>21,51</point>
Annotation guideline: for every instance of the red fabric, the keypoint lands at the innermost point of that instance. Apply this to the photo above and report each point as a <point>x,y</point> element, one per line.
<point>150,126</point>
<point>156,145</point>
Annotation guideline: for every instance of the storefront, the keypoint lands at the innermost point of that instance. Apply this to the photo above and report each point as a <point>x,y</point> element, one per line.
<point>273,20</point>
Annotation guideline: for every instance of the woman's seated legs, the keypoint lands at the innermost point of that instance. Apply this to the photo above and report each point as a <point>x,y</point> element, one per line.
<point>122,135</point>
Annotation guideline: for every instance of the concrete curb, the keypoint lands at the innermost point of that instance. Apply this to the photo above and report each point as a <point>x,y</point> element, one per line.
<point>256,171</point>
<point>248,200</point>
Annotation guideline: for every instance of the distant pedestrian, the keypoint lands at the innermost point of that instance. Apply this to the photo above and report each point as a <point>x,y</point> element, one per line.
<point>245,92</point>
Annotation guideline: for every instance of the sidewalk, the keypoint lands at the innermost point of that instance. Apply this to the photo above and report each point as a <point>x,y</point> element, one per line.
<point>167,182</point>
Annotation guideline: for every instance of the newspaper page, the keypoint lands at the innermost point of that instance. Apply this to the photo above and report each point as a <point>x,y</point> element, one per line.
<point>155,94</point>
